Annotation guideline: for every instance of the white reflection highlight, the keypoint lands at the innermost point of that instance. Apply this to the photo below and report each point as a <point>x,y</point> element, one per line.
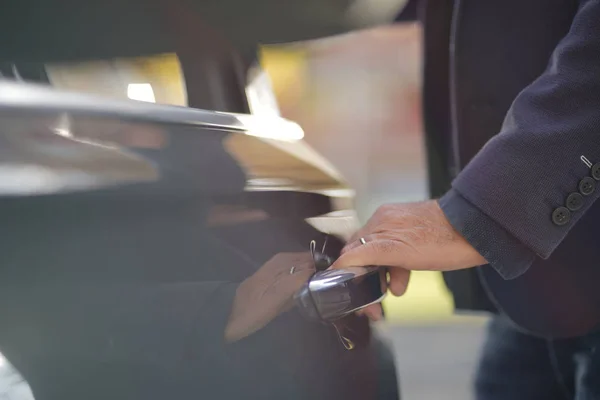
<point>141,92</point>
<point>63,127</point>
<point>271,128</point>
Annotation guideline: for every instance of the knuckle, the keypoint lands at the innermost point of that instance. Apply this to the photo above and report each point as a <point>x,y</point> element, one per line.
<point>384,208</point>
<point>385,246</point>
<point>388,210</point>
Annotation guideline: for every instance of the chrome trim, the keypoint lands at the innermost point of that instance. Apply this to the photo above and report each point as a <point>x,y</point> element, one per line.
<point>379,300</point>
<point>43,99</point>
<point>333,277</point>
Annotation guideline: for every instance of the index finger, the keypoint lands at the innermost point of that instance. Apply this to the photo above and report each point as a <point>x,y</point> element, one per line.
<point>366,230</point>
<point>358,241</point>
<point>374,252</point>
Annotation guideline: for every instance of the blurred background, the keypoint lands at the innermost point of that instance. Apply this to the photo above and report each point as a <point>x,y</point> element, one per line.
<point>357,96</point>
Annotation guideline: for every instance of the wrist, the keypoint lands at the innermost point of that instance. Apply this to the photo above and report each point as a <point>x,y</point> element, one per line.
<point>507,255</point>
<point>461,254</point>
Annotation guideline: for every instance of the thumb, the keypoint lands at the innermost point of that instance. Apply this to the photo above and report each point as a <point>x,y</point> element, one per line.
<point>376,253</point>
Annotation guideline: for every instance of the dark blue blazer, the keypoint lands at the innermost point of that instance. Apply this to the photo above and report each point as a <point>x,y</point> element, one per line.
<point>512,103</point>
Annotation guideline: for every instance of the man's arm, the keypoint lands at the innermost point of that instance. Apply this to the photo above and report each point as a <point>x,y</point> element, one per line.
<point>510,202</point>
<point>501,209</point>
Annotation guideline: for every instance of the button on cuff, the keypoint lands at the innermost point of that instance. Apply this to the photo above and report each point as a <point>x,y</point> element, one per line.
<point>574,201</point>
<point>587,186</point>
<point>561,216</point>
<point>596,171</point>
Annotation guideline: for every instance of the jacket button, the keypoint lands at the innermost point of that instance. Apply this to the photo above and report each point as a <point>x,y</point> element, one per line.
<point>596,171</point>
<point>574,201</point>
<point>561,216</point>
<point>587,186</point>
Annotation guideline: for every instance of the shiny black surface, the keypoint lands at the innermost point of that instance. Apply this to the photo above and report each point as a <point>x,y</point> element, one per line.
<point>128,227</point>
<point>57,142</point>
<point>83,261</point>
<point>44,30</point>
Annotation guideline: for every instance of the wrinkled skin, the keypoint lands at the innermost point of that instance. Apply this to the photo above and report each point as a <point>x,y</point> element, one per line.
<point>408,237</point>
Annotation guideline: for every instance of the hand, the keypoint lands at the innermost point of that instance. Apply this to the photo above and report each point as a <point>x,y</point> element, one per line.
<point>267,293</point>
<point>408,237</point>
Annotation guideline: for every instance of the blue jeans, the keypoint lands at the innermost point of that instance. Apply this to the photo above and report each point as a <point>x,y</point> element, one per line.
<point>517,366</point>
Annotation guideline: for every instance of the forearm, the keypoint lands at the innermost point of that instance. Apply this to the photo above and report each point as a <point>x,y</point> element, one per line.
<point>517,181</point>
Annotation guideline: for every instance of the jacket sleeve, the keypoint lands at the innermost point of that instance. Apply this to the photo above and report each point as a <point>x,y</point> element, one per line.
<point>505,201</point>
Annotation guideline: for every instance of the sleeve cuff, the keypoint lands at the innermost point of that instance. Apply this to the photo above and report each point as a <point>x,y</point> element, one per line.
<point>508,256</point>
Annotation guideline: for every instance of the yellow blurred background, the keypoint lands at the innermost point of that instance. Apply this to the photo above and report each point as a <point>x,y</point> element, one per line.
<point>357,98</point>
<point>295,82</point>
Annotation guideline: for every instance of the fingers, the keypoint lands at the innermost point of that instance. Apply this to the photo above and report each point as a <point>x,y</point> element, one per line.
<point>379,252</point>
<point>374,312</point>
<point>383,277</point>
<point>399,278</point>
<point>382,252</point>
<point>354,241</point>
<point>352,244</point>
